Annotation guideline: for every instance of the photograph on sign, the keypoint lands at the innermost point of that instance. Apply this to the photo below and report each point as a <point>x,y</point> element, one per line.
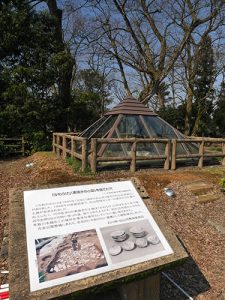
<point>66,255</point>
<point>75,232</point>
<point>131,240</point>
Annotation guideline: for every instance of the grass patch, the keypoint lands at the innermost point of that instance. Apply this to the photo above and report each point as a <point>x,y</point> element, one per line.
<point>222,184</point>
<point>76,165</point>
<point>214,148</point>
<point>46,153</point>
<point>214,170</point>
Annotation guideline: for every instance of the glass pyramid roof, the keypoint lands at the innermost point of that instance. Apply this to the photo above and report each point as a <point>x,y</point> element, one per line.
<point>132,119</point>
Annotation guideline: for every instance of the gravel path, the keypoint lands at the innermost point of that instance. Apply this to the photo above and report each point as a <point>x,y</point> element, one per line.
<point>200,227</point>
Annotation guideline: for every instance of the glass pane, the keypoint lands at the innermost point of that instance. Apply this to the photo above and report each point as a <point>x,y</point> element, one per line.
<point>181,149</point>
<point>131,126</point>
<point>193,148</point>
<point>158,128</point>
<point>88,132</point>
<point>104,129</point>
<point>186,147</point>
<point>161,148</point>
<point>115,150</point>
<point>145,149</point>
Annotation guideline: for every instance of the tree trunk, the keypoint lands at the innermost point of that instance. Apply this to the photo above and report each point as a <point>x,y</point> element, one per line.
<point>65,93</point>
<point>150,90</point>
<point>161,99</point>
<point>146,93</point>
<point>126,86</point>
<point>64,83</point>
<point>197,122</point>
<point>189,102</point>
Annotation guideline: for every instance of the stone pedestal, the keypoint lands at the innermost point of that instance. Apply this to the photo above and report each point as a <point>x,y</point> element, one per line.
<point>143,289</point>
<point>136,282</point>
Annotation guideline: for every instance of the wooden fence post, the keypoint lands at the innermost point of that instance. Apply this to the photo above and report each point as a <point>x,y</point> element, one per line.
<point>133,157</point>
<point>167,153</point>
<point>23,146</point>
<point>58,143</point>
<point>84,155</point>
<point>72,146</point>
<point>64,147</point>
<point>223,151</point>
<point>201,153</point>
<point>174,151</point>
<point>53,143</point>
<point>93,155</point>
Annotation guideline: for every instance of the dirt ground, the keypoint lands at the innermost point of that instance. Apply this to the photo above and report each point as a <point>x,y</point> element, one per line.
<point>199,227</point>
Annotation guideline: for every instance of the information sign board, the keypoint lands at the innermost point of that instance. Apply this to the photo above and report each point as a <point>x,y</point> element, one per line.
<point>75,232</point>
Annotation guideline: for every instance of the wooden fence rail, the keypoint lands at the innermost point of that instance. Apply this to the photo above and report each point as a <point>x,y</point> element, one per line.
<point>133,157</point>
<point>202,153</point>
<point>64,144</point>
<point>67,144</point>
<point>13,145</point>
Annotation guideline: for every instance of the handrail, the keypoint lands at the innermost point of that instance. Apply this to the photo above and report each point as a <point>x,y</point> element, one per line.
<point>16,148</point>
<point>133,157</point>
<point>61,141</point>
<point>201,151</point>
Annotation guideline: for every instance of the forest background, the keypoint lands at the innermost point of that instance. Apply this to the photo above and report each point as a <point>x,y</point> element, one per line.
<point>64,63</point>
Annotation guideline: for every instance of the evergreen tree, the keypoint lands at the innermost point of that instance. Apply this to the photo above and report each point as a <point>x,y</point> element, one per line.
<point>219,114</point>
<point>174,116</point>
<point>90,98</point>
<point>203,88</point>
<point>28,72</point>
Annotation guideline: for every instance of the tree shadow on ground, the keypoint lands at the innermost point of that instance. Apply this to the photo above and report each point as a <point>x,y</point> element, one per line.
<point>188,276</point>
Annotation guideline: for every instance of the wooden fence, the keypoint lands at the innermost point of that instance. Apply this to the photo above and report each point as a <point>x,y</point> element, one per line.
<point>69,144</point>
<point>64,144</point>
<point>133,157</point>
<point>12,146</point>
<point>202,151</point>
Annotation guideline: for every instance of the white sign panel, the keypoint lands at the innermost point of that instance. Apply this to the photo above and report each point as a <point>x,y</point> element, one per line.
<point>80,231</point>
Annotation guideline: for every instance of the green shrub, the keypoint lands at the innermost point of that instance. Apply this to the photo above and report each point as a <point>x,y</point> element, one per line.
<point>76,165</point>
<point>222,184</point>
<point>39,141</point>
<point>3,150</point>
